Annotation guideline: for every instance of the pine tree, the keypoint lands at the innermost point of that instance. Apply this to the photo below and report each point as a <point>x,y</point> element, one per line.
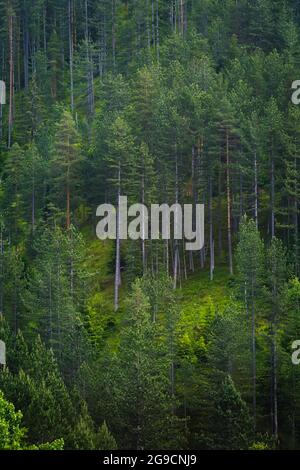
<point>12,433</point>
<point>65,161</point>
<point>104,439</point>
<point>140,393</point>
<point>250,261</point>
<point>277,275</point>
<point>234,427</point>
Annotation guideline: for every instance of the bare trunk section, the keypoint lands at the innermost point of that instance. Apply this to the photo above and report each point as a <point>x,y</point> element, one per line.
<point>113,32</point>
<point>90,72</point>
<point>70,12</point>
<point>157,32</point>
<point>143,223</point>
<point>176,251</point>
<point>255,190</point>
<point>211,234</point>
<point>296,220</point>
<point>220,241</point>
<point>272,192</point>
<point>153,22</point>
<point>118,247</point>
<point>274,411</point>
<point>33,199</point>
<point>26,49</point>
<point>253,355</point>
<point>11,78</point>
<point>68,215</point>
<point>229,232</point>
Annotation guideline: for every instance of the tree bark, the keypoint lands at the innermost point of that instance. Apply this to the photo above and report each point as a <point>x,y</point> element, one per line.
<point>117,268</point>
<point>70,12</point>
<point>253,356</point>
<point>228,204</point>
<point>11,78</point>
<point>211,235</point>
<point>255,190</point>
<point>272,193</point>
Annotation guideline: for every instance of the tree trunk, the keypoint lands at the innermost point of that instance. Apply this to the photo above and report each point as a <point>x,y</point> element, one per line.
<point>272,193</point>
<point>228,204</point>
<point>33,198</point>
<point>118,248</point>
<point>68,204</point>
<point>153,22</point>
<point>176,251</point>
<point>90,72</point>
<point>211,235</point>
<point>157,32</point>
<point>26,49</point>
<point>11,78</point>
<point>220,241</point>
<point>113,18</point>
<point>143,223</point>
<point>71,53</point>
<point>253,356</point>
<point>255,190</point>
<point>296,217</point>
<point>182,10</point>
<point>274,384</point>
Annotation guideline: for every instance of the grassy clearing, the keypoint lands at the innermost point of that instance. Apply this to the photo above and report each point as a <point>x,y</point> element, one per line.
<point>198,300</point>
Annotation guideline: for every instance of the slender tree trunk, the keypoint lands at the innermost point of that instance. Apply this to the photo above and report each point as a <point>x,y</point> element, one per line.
<point>182,11</point>
<point>255,190</point>
<point>143,224</point>
<point>272,193</point>
<point>118,248</point>
<point>71,53</point>
<point>148,27</point>
<point>68,190</point>
<point>176,252</point>
<point>50,310</point>
<point>157,32</point>
<point>274,410</point>
<point>1,269</point>
<point>211,235</point>
<point>11,78</point>
<point>195,200</point>
<point>15,304</point>
<point>229,205</point>
<point>184,262</point>
<point>113,15</point>
<point>167,257</point>
<point>172,14</point>
<point>44,30</point>
<point>220,241</point>
<point>90,72</point>
<point>296,238</point>
<point>153,22</point>
<point>68,204</point>
<point>253,355</point>
<point>274,384</point>
<point>33,199</point>
<point>26,49</point>
<point>1,106</point>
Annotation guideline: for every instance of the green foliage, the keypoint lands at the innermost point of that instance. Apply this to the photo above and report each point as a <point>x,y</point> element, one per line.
<point>139,384</point>
<point>104,439</point>
<point>235,426</point>
<point>11,432</point>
